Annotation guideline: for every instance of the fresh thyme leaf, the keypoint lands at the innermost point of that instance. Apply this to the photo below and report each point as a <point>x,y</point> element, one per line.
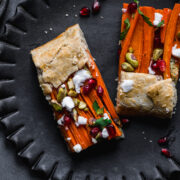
<point>146,19</point>
<point>95,106</point>
<point>160,24</point>
<point>123,34</point>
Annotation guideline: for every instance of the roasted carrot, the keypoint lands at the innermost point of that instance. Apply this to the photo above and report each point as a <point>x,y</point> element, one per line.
<point>148,40</point>
<point>106,98</point>
<point>127,40</point>
<point>166,17</point>
<point>171,30</point>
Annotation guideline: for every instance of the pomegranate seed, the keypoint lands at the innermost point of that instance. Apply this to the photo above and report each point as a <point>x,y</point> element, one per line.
<point>96,6</point>
<point>67,120</point>
<point>132,7</point>
<point>125,121</point>
<point>162,65</point>
<point>100,91</point>
<point>85,11</point>
<point>111,130</point>
<point>94,131</point>
<point>92,83</point>
<point>157,42</point>
<point>166,152</point>
<point>86,89</point>
<point>154,66</point>
<point>163,141</point>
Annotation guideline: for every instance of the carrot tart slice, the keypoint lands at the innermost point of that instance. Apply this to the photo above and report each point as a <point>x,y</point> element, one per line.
<point>149,61</point>
<point>72,84</point>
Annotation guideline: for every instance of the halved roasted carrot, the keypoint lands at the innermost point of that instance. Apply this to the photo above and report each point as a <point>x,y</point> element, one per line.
<point>106,98</point>
<point>148,40</point>
<point>166,17</point>
<point>127,40</point>
<point>171,30</point>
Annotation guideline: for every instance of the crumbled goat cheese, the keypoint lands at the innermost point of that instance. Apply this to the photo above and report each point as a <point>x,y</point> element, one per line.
<point>79,78</point>
<point>68,139</point>
<point>176,51</point>
<point>127,85</point>
<point>124,10</point>
<point>105,116</point>
<point>77,148</point>
<point>157,19</point>
<point>63,86</point>
<point>94,140</point>
<point>151,70</point>
<point>105,133</point>
<point>68,103</point>
<point>60,121</point>
<point>82,120</point>
<point>48,98</point>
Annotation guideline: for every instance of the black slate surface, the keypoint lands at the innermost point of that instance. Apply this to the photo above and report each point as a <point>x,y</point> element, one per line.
<point>28,117</point>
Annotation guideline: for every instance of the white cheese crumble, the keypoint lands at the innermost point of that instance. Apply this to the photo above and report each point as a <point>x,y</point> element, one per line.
<point>105,116</point>
<point>176,51</point>
<point>82,120</point>
<point>105,133</point>
<point>60,121</point>
<point>127,85</point>
<point>94,140</point>
<point>68,103</point>
<point>79,78</point>
<point>157,19</point>
<point>77,148</point>
<point>63,86</point>
<point>124,10</point>
<point>151,70</point>
<point>68,139</point>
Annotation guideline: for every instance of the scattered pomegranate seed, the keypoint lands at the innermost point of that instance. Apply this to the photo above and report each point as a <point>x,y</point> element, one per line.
<point>163,141</point>
<point>94,131</point>
<point>85,11</point>
<point>92,83</point>
<point>162,65</point>
<point>86,89</point>
<point>166,152</point>
<point>100,91</point>
<point>96,6</point>
<point>154,66</point>
<point>125,121</point>
<point>132,7</point>
<point>67,120</point>
<point>111,130</point>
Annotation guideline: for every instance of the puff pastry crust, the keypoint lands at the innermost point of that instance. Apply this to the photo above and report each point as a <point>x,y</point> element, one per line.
<point>149,95</point>
<point>61,57</point>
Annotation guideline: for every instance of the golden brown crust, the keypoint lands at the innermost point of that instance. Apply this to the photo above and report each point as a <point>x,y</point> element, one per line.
<point>59,58</point>
<point>148,96</point>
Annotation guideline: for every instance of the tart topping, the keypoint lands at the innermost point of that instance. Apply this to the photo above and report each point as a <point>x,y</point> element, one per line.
<point>85,11</point>
<point>82,120</point>
<point>99,111</point>
<point>157,19</point>
<point>176,51</point>
<point>68,103</point>
<point>61,121</point>
<point>127,67</point>
<point>96,6</point>
<point>56,105</point>
<point>157,53</point>
<point>132,7</point>
<point>70,84</point>
<point>94,140</point>
<point>86,89</point>
<point>77,148</point>
<point>101,123</point>
<point>130,58</point>
<point>127,85</point>
<point>92,83</point>
<point>82,105</point>
<point>100,91</point>
<point>111,130</point>
<point>79,78</point>
<point>105,133</point>
<point>61,94</point>
<point>67,120</point>
<point>94,131</point>
<point>161,65</point>
<point>72,93</point>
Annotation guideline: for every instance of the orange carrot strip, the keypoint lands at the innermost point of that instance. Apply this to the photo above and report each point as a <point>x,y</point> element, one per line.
<point>127,40</point>
<point>106,98</point>
<point>166,17</point>
<point>137,41</point>
<point>171,30</point>
<point>148,40</point>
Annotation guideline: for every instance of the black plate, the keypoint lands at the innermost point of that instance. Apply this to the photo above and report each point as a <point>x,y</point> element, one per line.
<point>28,118</point>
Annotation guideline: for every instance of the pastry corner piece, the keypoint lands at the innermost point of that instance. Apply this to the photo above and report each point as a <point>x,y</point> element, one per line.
<point>149,62</point>
<point>73,86</point>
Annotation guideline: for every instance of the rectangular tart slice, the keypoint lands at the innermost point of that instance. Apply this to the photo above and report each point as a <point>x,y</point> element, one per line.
<point>149,62</point>
<point>73,85</point>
